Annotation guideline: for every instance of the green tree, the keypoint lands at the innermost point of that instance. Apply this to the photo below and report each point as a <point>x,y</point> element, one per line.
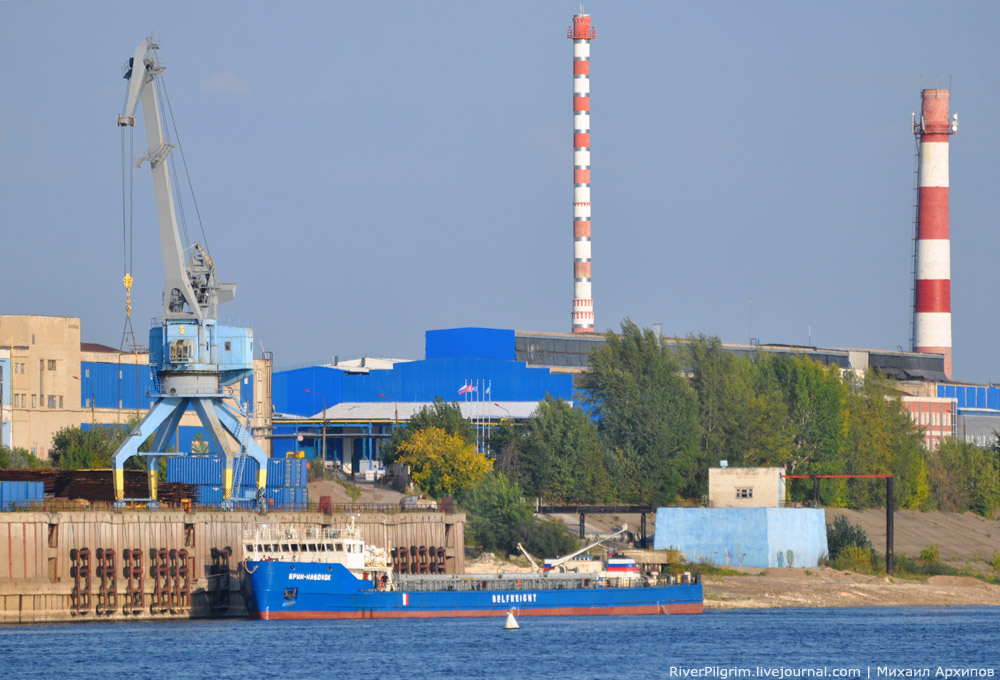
<point>496,509</point>
<point>816,399</point>
<point>842,534</point>
<point>76,448</point>
<point>561,455</point>
<point>442,415</point>
<point>964,477</point>
<point>882,439</point>
<point>498,519</point>
<point>442,464</point>
<point>646,412</point>
<point>19,458</point>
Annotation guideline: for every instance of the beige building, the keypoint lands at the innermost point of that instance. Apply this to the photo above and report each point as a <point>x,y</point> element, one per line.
<point>746,487</point>
<point>56,381</point>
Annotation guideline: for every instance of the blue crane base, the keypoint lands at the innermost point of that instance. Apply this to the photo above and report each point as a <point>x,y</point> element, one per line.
<point>218,419</point>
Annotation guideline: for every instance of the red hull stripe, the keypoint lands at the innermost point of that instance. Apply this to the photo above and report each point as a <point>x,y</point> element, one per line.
<point>687,608</point>
<point>933,219</point>
<point>933,295</point>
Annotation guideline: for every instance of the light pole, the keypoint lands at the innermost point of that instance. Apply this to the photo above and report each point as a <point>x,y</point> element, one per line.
<point>82,380</point>
<point>323,396</point>
<point>504,409</point>
<point>395,406</point>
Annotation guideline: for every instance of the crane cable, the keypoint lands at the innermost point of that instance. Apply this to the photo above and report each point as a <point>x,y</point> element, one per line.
<point>187,173</point>
<point>127,230</point>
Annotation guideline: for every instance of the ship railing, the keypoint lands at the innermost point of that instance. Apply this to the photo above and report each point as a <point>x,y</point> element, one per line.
<point>506,582</point>
<point>276,532</point>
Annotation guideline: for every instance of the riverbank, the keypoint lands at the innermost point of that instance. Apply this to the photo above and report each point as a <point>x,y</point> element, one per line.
<point>826,587</point>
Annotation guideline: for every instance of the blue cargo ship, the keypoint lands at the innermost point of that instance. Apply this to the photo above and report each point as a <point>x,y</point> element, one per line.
<point>324,574</point>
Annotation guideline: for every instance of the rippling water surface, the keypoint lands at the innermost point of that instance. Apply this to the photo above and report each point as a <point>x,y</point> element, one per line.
<point>953,644</point>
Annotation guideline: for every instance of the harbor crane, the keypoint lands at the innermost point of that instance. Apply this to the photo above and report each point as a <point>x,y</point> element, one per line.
<point>566,558</point>
<point>192,357</point>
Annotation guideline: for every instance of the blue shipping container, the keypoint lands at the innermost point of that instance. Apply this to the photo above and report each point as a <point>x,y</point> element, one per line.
<point>275,473</point>
<point>201,470</point>
<point>280,499</point>
<point>301,498</point>
<point>17,495</point>
<point>210,495</point>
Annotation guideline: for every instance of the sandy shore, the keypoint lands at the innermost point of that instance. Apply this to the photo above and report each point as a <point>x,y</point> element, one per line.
<point>825,587</point>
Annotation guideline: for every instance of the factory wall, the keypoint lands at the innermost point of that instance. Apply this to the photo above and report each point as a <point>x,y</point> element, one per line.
<point>415,381</point>
<point>749,537</point>
<point>470,343</point>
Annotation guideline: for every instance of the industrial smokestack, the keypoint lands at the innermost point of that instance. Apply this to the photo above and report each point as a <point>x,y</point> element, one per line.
<point>932,254</point>
<point>581,33</point>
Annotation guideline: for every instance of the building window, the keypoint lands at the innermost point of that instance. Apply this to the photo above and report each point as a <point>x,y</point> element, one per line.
<point>52,401</point>
<point>258,374</point>
<point>260,407</point>
<point>32,338</point>
<point>86,403</point>
<point>52,364</point>
<point>228,346</point>
<point>60,401</point>
<point>34,402</point>
<point>744,493</point>
<point>86,373</point>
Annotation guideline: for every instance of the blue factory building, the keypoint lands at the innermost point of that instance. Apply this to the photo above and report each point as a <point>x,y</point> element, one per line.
<point>358,403</point>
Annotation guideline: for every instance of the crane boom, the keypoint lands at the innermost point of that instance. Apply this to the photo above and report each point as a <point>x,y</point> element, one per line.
<point>190,289</point>
<point>566,558</point>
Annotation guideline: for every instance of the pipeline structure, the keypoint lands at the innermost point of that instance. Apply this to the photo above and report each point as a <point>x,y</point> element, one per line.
<point>581,33</point>
<point>932,245</point>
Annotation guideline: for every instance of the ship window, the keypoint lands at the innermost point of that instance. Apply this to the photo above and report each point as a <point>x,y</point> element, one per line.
<point>295,547</point>
<point>249,547</point>
<point>312,547</point>
<point>329,546</point>
<point>340,547</point>
<point>284,547</point>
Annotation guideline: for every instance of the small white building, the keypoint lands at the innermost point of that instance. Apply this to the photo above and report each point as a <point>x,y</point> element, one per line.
<point>760,487</point>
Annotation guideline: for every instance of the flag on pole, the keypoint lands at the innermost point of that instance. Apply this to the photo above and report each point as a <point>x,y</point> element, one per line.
<point>466,388</point>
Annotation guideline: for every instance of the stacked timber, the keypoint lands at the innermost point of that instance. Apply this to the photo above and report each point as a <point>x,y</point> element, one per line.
<point>98,485</point>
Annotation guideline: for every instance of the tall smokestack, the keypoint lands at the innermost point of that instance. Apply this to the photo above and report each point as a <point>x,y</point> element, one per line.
<point>932,255</point>
<point>581,33</point>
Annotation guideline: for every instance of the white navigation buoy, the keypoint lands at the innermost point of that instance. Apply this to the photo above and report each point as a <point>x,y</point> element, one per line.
<point>511,622</point>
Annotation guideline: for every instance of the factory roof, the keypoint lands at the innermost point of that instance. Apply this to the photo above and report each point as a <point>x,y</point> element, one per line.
<point>360,411</point>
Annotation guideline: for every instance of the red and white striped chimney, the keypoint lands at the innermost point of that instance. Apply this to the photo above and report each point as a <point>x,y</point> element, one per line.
<point>581,33</point>
<point>932,266</point>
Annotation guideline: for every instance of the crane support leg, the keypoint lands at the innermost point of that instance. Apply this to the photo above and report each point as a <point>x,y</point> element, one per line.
<point>217,436</point>
<point>232,424</point>
<point>160,413</point>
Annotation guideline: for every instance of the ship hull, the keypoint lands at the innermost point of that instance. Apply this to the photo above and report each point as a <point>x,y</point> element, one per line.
<point>279,590</point>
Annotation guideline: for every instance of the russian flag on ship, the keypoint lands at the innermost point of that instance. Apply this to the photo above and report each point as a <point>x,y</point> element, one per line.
<point>621,565</point>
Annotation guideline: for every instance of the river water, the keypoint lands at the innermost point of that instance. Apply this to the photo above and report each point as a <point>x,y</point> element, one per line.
<point>880,643</point>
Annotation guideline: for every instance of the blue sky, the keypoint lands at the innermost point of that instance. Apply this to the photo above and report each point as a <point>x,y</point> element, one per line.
<point>367,171</point>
